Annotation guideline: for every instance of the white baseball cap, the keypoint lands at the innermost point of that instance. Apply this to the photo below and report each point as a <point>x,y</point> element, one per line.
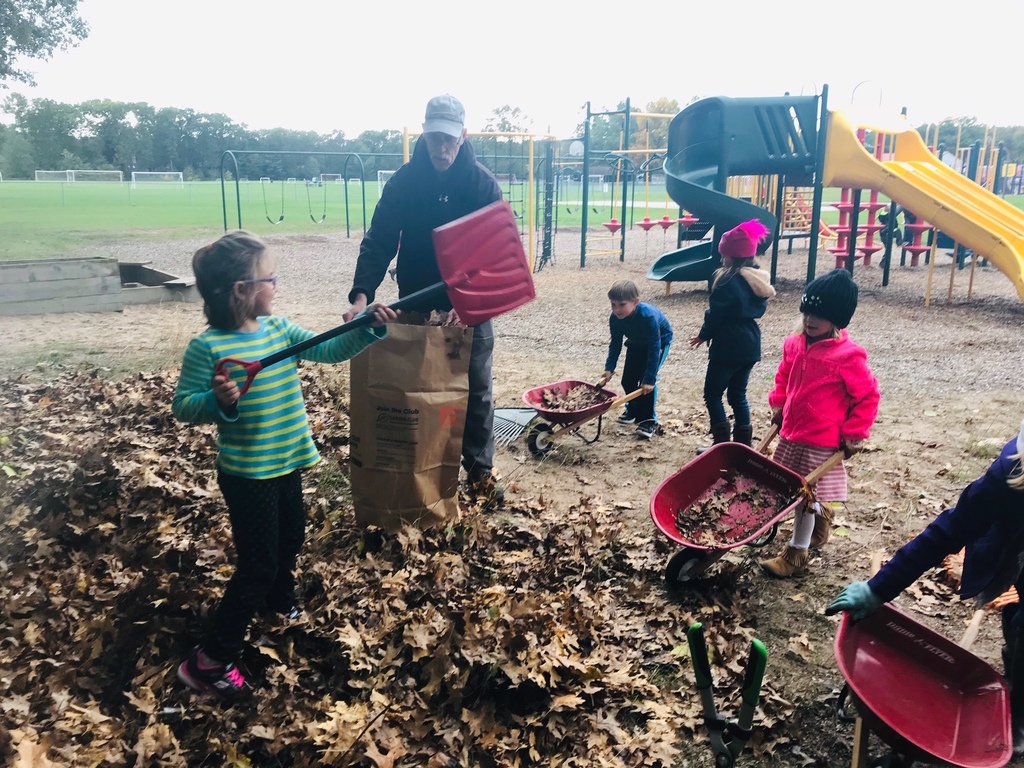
<point>445,114</point>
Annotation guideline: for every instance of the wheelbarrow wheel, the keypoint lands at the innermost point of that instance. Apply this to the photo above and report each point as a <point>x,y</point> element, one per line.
<point>685,565</point>
<point>538,440</point>
<point>766,538</point>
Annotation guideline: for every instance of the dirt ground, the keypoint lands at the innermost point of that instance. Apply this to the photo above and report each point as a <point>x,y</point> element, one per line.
<point>950,378</point>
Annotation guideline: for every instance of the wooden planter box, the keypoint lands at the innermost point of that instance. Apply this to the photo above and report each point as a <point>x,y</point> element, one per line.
<point>37,287</point>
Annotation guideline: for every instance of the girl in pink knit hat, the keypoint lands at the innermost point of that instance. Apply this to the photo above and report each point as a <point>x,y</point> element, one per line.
<point>739,295</point>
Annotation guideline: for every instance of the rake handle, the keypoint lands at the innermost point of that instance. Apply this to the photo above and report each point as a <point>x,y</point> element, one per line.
<point>359,321</point>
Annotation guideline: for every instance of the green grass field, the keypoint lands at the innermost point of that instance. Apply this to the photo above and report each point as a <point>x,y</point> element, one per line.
<point>55,219</point>
<point>50,219</point>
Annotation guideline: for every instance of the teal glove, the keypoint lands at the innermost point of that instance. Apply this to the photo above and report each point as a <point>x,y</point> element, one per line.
<point>856,599</point>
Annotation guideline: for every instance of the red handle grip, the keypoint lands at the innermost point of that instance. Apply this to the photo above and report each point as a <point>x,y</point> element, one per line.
<point>251,368</point>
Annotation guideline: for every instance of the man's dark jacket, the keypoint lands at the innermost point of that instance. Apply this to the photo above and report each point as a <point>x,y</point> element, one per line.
<point>415,201</point>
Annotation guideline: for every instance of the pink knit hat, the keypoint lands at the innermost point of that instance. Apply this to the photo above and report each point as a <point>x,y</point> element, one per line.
<point>741,241</point>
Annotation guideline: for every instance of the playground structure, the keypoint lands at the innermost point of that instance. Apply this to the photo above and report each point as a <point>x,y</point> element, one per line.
<point>715,139</point>
<point>802,143</point>
<point>935,193</point>
<point>625,166</point>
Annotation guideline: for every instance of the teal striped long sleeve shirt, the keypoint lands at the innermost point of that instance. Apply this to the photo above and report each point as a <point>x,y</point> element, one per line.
<point>267,433</point>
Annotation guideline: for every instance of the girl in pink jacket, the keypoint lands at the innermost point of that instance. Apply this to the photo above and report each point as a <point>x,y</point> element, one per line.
<point>825,399</point>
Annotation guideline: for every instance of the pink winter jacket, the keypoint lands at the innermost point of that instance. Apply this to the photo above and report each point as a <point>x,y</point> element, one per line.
<point>826,391</point>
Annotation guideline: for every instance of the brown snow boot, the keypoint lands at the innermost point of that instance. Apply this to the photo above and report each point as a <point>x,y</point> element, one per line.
<point>823,520</point>
<point>719,434</point>
<point>743,434</point>
<point>791,561</point>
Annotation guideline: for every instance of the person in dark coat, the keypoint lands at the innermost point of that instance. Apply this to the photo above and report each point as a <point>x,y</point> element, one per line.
<point>739,296</point>
<point>988,520</point>
<point>442,182</point>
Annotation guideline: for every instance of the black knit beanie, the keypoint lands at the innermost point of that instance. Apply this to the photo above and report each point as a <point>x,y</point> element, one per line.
<point>832,296</point>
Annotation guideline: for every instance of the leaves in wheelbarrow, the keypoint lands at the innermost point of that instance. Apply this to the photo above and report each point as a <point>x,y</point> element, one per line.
<point>574,399</point>
<point>733,507</point>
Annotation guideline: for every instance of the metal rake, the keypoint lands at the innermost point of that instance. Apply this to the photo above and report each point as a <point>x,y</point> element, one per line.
<point>510,423</point>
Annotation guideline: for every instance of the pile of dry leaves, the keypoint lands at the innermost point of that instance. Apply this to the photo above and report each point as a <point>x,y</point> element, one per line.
<point>577,398</point>
<point>533,637</point>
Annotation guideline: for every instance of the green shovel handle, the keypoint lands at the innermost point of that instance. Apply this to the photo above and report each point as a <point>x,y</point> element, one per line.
<point>754,673</point>
<point>699,655</point>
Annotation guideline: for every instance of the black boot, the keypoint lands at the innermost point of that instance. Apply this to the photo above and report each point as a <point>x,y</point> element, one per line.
<point>719,434</point>
<point>743,434</point>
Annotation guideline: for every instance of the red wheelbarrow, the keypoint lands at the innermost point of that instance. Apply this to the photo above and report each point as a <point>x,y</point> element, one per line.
<point>541,436</point>
<point>729,496</point>
<point>927,698</point>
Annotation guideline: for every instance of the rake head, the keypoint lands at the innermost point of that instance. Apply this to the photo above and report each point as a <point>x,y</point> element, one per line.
<point>510,423</point>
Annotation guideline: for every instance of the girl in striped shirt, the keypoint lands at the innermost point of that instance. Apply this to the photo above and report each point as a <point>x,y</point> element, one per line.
<point>263,440</point>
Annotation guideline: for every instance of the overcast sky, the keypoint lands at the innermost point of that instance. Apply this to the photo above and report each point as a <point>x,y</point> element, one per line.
<point>323,65</point>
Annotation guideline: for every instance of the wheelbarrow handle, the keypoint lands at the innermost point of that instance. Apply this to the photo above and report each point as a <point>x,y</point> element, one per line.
<point>625,399</point>
<point>767,439</point>
<point>817,473</point>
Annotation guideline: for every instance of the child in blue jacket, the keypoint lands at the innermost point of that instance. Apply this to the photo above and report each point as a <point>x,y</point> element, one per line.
<point>648,336</point>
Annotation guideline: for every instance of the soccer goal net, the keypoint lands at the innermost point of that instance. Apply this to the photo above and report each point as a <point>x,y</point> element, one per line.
<point>79,175</point>
<point>53,175</point>
<point>88,175</point>
<point>164,178</point>
<point>382,179</point>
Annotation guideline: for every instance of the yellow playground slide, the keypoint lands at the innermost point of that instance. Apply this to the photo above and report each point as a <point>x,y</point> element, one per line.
<point>929,189</point>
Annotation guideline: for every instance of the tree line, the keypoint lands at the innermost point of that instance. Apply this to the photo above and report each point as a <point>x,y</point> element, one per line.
<point>135,136</point>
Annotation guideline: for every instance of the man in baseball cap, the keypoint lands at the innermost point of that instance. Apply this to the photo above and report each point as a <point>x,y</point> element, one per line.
<point>442,182</point>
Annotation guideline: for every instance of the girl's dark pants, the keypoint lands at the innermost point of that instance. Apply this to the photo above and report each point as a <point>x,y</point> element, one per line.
<point>268,523</point>
<point>729,377</point>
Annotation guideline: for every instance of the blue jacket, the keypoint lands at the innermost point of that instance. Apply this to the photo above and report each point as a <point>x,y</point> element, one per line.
<point>988,520</point>
<point>646,327</point>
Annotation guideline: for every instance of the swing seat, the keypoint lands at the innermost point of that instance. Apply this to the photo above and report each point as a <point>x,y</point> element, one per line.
<point>613,226</point>
<point>646,224</point>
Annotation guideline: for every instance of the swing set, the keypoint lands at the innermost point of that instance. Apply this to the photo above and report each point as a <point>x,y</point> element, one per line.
<point>625,169</point>
<point>265,181</point>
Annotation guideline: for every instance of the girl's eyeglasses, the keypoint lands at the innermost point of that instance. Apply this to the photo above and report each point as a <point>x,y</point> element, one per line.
<point>272,280</point>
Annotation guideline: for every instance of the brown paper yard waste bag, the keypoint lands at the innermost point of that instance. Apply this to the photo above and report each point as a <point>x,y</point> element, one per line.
<point>408,409</point>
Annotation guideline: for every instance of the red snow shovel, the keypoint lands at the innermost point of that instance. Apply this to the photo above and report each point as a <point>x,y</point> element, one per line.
<point>483,268</point>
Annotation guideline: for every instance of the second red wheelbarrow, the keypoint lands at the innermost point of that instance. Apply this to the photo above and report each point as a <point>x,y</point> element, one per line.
<point>556,422</point>
<point>729,496</point>
<point>927,698</point>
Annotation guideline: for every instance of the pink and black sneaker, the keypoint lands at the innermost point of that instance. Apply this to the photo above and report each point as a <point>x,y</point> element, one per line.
<point>225,680</point>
